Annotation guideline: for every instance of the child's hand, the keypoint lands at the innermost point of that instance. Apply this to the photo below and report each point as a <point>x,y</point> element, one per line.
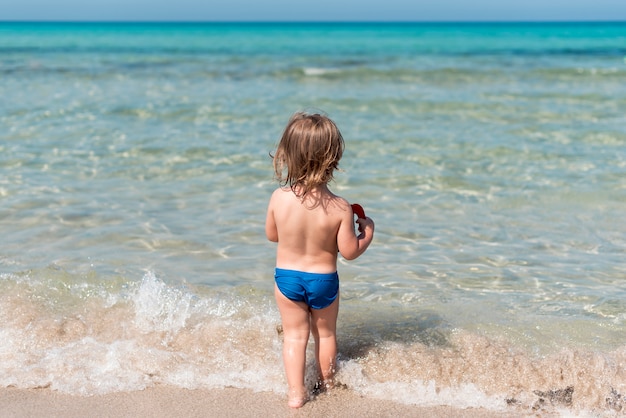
<point>366,222</point>
<point>363,221</point>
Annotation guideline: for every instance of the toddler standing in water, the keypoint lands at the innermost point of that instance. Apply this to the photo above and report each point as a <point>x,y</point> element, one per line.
<point>311,225</point>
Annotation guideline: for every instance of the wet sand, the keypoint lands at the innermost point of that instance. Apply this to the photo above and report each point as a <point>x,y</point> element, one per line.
<point>161,402</point>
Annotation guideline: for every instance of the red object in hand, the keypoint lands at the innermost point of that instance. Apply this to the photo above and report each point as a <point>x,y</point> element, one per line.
<point>358,210</point>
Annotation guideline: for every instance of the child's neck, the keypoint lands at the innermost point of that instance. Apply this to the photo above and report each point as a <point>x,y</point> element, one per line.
<point>298,190</point>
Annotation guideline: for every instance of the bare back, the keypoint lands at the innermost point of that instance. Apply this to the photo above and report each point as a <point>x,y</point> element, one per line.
<point>308,229</point>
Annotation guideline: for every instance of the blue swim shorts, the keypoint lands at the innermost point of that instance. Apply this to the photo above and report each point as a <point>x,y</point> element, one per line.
<point>317,290</point>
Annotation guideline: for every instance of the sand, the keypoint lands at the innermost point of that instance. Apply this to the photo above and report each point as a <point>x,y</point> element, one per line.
<point>171,402</point>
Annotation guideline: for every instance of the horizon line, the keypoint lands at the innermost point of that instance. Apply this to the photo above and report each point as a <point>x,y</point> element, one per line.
<point>278,21</point>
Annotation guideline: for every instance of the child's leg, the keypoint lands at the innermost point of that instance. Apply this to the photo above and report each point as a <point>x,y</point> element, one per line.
<point>324,328</point>
<point>296,329</point>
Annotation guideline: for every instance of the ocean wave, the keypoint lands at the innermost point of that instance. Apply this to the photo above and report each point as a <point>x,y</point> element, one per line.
<point>475,371</point>
<point>96,338</point>
<point>86,336</point>
<point>499,72</point>
<point>490,70</point>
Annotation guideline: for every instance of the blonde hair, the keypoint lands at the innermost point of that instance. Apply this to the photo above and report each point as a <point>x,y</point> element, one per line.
<point>309,150</point>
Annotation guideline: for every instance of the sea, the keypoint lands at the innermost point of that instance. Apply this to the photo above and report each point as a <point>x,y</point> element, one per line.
<point>135,172</point>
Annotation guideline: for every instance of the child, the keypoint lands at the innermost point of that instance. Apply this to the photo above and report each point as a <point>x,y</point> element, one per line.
<point>310,225</point>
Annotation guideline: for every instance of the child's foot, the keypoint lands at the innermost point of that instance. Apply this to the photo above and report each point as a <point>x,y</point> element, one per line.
<point>297,399</point>
<point>296,402</point>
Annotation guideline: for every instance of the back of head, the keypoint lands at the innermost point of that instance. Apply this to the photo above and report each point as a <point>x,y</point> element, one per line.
<point>309,150</point>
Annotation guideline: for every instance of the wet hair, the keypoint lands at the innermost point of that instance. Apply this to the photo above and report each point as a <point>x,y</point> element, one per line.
<point>309,150</point>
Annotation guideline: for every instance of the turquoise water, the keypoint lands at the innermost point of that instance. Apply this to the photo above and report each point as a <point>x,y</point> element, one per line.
<point>135,172</point>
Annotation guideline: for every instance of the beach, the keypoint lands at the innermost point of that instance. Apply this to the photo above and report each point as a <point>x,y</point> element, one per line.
<point>165,402</point>
<point>135,173</point>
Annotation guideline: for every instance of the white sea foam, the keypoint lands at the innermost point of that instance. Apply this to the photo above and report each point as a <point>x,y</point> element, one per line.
<point>317,72</point>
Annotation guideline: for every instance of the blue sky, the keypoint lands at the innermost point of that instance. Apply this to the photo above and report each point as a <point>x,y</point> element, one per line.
<point>314,10</point>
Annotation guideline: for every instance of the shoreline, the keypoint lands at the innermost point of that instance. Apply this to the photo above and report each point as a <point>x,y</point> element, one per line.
<point>167,401</point>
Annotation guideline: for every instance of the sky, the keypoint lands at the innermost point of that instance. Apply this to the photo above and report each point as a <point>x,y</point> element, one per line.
<point>313,10</point>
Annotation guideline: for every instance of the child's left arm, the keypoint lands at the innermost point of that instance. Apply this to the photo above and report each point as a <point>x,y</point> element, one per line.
<point>350,245</point>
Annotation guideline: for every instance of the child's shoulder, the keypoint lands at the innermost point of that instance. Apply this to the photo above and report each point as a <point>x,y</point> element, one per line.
<point>338,201</point>
<point>282,191</point>
<point>282,195</point>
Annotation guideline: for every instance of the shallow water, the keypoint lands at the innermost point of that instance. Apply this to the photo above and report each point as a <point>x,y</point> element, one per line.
<point>135,175</point>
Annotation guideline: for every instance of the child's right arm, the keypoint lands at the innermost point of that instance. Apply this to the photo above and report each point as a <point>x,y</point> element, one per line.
<point>270,223</point>
<point>350,245</point>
